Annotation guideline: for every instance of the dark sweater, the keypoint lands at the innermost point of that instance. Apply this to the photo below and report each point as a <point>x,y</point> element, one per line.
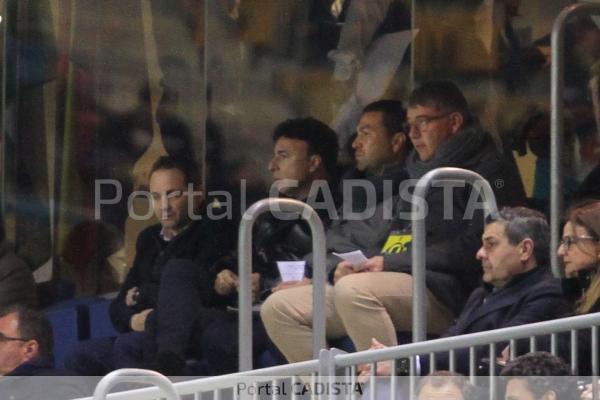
<point>203,241</point>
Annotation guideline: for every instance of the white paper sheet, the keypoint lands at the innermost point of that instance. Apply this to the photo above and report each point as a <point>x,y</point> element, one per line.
<point>291,270</point>
<point>355,257</point>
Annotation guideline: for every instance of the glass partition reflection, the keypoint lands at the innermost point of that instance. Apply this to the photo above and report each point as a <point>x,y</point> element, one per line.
<point>94,91</point>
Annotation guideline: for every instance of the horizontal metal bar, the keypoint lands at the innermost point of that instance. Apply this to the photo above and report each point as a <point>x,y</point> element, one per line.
<point>303,368</point>
<point>473,339</point>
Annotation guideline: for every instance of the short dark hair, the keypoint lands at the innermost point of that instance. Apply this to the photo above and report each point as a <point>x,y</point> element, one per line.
<point>33,325</point>
<point>187,166</point>
<point>537,367</point>
<point>441,95</point>
<point>321,139</point>
<point>394,114</point>
<point>521,223</point>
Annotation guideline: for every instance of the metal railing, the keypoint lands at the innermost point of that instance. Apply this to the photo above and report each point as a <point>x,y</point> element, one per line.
<point>332,361</point>
<point>245,269</point>
<point>556,121</point>
<point>132,375</point>
<point>490,339</point>
<point>217,386</point>
<point>418,235</point>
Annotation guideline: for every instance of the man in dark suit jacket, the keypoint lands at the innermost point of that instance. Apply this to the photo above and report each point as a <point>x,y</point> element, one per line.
<point>517,285</point>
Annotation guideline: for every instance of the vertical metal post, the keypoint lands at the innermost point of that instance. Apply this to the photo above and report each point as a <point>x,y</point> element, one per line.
<point>3,162</point>
<point>493,380</point>
<point>556,123</point>
<point>413,48</point>
<point>245,271</point>
<point>418,236</point>
<point>574,354</point>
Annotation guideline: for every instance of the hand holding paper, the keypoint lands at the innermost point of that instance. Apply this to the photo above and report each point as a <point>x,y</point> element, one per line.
<point>354,257</point>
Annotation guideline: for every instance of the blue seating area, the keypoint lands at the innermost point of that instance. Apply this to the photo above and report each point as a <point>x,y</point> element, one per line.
<point>78,319</point>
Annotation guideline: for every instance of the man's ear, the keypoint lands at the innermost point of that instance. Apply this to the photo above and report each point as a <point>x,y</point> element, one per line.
<point>315,161</point>
<point>31,350</point>
<point>398,142</point>
<point>457,120</point>
<point>526,249</point>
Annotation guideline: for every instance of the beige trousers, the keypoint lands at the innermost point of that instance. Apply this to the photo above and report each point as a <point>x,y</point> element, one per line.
<point>362,305</point>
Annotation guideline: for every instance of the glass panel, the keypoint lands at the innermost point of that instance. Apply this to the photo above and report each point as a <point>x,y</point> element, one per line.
<point>95,91</point>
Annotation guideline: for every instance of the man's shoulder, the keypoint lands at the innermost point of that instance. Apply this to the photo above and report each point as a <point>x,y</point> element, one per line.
<point>539,282</point>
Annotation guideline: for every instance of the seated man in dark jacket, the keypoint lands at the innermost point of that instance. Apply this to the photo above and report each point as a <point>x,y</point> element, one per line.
<point>27,362</point>
<point>305,153</point>
<point>176,253</point>
<point>517,285</point>
<point>26,342</point>
<point>374,299</point>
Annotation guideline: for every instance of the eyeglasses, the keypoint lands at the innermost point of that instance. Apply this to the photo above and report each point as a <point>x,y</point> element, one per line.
<point>422,121</point>
<point>567,241</point>
<point>4,338</point>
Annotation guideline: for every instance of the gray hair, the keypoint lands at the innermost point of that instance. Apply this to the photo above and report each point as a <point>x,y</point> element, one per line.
<point>522,223</point>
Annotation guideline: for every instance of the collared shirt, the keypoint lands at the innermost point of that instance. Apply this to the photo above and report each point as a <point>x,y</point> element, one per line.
<point>168,235</point>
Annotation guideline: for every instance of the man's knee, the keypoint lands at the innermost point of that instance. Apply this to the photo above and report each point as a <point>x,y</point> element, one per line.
<point>273,305</point>
<point>347,289</point>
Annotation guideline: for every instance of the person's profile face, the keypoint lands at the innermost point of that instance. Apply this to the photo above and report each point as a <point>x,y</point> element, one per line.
<point>578,249</point>
<point>500,260</point>
<point>13,348</point>
<point>429,128</point>
<point>373,143</point>
<point>290,161</point>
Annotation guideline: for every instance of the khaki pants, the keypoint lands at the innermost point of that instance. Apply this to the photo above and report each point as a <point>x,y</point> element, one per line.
<point>362,305</point>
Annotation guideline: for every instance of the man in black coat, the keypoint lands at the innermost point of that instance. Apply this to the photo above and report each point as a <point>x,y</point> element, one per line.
<point>303,168</point>
<point>517,288</point>
<point>174,255</point>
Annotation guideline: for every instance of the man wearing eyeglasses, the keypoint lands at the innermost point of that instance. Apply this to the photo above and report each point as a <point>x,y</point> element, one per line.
<point>373,299</point>
<point>517,289</point>
<point>25,342</point>
<point>26,359</point>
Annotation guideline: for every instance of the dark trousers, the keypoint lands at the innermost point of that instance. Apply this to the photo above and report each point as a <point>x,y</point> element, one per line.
<point>220,343</point>
<point>181,325</point>
<point>98,357</point>
<point>180,316</point>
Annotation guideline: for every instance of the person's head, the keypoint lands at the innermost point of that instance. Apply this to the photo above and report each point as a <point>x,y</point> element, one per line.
<point>513,242</point>
<point>380,136</point>
<point>25,334</point>
<point>171,179</point>
<point>304,149</point>
<point>580,247</point>
<point>443,385</point>
<point>533,377</point>
<point>436,111</point>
